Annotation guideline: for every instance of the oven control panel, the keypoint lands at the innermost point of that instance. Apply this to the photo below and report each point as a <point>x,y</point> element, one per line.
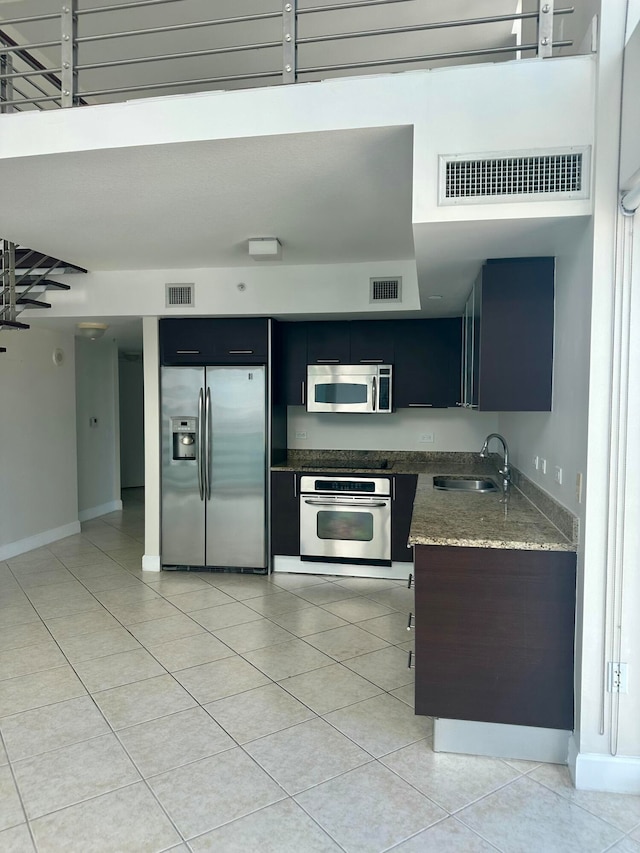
<point>339,485</point>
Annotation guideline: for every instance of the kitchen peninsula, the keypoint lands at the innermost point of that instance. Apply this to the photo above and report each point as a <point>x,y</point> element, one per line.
<point>494,606</point>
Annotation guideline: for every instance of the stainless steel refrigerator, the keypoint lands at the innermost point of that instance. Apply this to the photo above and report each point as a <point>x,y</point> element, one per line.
<point>214,467</point>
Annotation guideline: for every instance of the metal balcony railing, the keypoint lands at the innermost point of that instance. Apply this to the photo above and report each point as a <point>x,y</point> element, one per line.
<point>99,54</point>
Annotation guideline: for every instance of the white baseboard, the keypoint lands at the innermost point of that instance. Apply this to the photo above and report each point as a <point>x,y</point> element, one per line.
<point>396,571</point>
<point>97,511</point>
<point>21,546</point>
<point>591,771</point>
<point>500,740</point>
<point>150,563</point>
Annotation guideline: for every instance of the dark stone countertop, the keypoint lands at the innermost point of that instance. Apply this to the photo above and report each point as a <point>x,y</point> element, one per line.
<point>454,518</point>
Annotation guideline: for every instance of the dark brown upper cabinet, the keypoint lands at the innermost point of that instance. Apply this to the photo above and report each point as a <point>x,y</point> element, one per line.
<point>328,342</point>
<point>425,355</point>
<point>372,341</point>
<point>203,340</point>
<point>427,363</point>
<point>290,363</point>
<point>508,337</point>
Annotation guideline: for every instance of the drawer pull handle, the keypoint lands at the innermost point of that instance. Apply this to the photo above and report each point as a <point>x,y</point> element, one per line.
<point>240,352</point>
<point>410,663</point>
<point>187,352</point>
<point>410,581</point>
<point>421,405</point>
<point>410,622</point>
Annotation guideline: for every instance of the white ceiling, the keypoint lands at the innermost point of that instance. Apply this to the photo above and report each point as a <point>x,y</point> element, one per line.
<point>331,197</point>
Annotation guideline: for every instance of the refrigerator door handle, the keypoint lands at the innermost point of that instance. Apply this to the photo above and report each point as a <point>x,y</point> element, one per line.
<point>199,444</point>
<point>207,445</point>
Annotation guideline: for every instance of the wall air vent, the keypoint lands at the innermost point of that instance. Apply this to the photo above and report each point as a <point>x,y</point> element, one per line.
<point>559,174</point>
<point>385,289</point>
<point>179,294</point>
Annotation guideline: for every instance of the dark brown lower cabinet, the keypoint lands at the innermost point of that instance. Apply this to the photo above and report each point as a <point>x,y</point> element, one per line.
<point>404,492</point>
<point>495,635</point>
<point>285,517</point>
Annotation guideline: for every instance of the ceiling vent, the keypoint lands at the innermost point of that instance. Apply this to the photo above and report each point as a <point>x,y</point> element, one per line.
<point>385,289</point>
<point>559,174</point>
<point>179,294</point>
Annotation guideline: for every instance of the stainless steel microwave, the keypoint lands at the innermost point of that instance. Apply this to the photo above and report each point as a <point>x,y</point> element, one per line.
<point>349,388</point>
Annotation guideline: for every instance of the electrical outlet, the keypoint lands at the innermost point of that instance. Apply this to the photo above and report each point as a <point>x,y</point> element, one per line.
<point>301,435</point>
<point>426,437</point>
<point>579,487</point>
<point>557,475</point>
<point>536,462</point>
<point>617,677</point>
<point>543,466</point>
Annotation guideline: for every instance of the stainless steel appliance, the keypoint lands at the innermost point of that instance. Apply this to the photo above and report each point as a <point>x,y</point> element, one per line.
<point>345,520</point>
<point>214,467</point>
<point>349,388</point>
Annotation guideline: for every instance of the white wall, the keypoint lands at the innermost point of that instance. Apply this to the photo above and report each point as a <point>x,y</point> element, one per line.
<point>560,437</point>
<point>98,454</point>
<point>605,749</point>
<point>131,383</point>
<point>452,429</point>
<point>281,290</point>
<point>38,483</point>
<point>525,104</point>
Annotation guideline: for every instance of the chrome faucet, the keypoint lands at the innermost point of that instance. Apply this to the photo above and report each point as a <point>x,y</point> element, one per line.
<point>505,470</point>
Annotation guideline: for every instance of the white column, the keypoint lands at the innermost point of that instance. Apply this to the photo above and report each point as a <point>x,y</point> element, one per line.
<point>151,354</point>
<point>605,750</point>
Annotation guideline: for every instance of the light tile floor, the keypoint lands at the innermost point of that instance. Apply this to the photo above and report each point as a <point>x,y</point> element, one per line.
<point>217,712</point>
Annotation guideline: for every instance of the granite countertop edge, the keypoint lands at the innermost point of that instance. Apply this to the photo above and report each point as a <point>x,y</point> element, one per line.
<point>464,520</point>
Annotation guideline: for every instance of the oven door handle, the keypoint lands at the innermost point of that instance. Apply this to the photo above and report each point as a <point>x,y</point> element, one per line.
<point>353,505</point>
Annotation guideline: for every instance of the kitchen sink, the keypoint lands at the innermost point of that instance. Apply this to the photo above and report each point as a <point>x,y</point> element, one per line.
<point>479,485</point>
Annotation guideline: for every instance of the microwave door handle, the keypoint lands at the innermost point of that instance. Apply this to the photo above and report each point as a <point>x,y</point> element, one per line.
<point>374,394</point>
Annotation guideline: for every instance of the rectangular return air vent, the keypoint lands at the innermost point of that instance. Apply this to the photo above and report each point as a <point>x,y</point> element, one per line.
<point>516,176</point>
<point>179,294</point>
<point>385,289</point>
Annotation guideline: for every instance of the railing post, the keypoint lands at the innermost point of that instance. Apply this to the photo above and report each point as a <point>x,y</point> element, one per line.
<point>545,28</point>
<point>6,86</point>
<point>289,20</point>
<point>69,75</point>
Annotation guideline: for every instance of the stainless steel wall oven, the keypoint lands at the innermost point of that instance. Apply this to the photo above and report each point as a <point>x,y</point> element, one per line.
<point>345,520</point>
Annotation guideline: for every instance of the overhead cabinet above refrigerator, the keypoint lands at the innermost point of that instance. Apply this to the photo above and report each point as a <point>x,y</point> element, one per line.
<point>214,465</point>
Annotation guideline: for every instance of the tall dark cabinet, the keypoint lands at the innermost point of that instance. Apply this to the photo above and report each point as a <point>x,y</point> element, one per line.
<point>508,337</point>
